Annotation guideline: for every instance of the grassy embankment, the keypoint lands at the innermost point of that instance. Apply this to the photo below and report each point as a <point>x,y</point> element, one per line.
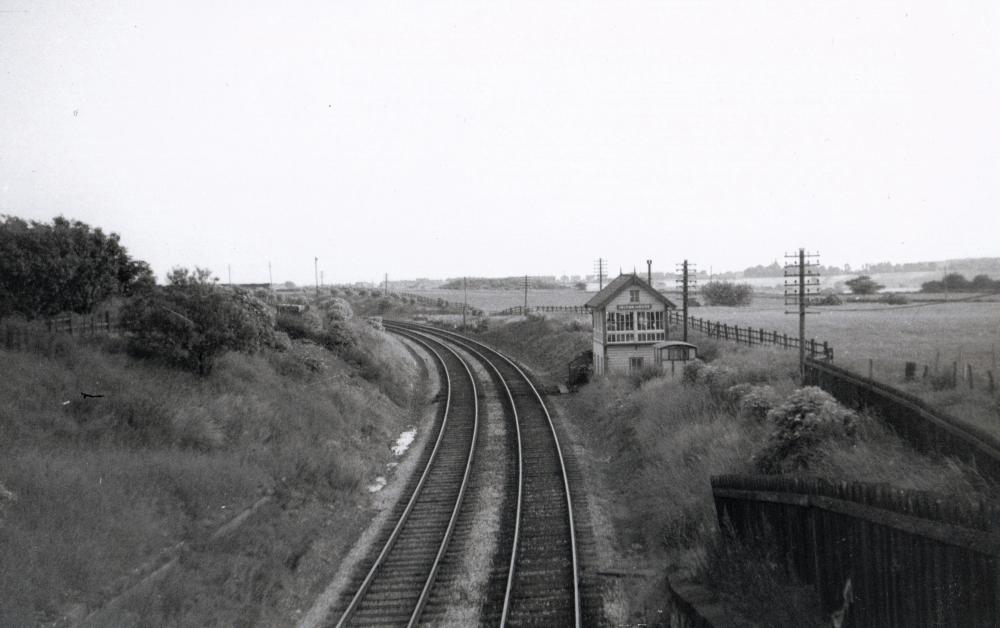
<point>92,489</point>
<point>652,442</point>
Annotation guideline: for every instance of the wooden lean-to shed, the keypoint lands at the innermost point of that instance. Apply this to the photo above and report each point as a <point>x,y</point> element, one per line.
<point>630,317</point>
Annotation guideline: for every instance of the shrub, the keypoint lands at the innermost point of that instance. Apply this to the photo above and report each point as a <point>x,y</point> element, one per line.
<point>192,321</point>
<point>727,293</point>
<point>894,299</point>
<point>830,299</point>
<point>646,373</point>
<point>863,284</point>
<point>808,417</point>
<point>753,401</point>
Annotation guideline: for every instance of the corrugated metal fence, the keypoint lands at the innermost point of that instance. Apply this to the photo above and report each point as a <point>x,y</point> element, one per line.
<point>912,559</point>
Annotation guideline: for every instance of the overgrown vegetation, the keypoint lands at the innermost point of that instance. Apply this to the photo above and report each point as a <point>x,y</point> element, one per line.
<point>740,413</point>
<point>727,293</point>
<point>202,405</point>
<point>863,284</point>
<point>66,266</point>
<point>191,321</point>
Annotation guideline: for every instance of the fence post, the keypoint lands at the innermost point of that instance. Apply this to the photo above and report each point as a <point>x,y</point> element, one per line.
<point>785,336</point>
<point>812,348</point>
<point>826,349</point>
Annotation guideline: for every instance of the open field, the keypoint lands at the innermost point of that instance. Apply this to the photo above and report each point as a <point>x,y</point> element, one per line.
<point>496,300</point>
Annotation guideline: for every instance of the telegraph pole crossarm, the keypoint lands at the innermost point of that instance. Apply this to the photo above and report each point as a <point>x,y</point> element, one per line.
<point>801,287</point>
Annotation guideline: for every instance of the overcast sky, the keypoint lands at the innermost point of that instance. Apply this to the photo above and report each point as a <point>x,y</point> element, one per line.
<point>428,139</point>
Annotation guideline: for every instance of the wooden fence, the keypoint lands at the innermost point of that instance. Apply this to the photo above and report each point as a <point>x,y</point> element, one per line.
<point>521,310</point>
<point>749,336</point>
<point>927,428</point>
<point>912,559</point>
<point>18,334</point>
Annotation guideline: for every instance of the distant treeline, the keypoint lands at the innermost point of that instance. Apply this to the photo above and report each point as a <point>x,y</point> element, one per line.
<point>972,266</point>
<point>956,282</point>
<point>501,283</point>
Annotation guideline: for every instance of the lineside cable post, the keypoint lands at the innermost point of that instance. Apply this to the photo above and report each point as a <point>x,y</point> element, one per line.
<point>686,281</point>
<point>600,266</point>
<point>801,289</point>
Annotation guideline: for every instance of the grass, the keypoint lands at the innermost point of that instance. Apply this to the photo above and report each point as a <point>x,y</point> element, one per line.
<point>92,488</point>
<point>882,338</point>
<point>663,439</point>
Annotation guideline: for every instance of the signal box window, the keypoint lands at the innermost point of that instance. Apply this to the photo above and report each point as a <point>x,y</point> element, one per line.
<point>633,295</point>
<point>634,364</point>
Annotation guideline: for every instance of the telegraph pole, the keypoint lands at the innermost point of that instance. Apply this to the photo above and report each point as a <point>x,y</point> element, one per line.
<point>649,272</point>
<point>465,302</point>
<point>525,295</point>
<point>804,286</point>
<point>685,281</point>
<point>229,269</point>
<point>270,277</point>
<point>385,290</point>
<point>599,267</point>
<point>316,270</point>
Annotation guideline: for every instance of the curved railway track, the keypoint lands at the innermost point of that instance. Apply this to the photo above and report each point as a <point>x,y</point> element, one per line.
<point>397,583</point>
<point>535,578</point>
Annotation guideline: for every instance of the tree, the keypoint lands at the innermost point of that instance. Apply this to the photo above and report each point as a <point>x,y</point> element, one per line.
<point>863,284</point>
<point>983,283</point>
<point>727,293</point>
<point>192,320</point>
<point>65,266</point>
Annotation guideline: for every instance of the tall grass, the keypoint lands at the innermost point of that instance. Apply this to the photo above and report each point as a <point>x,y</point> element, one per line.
<point>95,487</point>
<point>664,439</point>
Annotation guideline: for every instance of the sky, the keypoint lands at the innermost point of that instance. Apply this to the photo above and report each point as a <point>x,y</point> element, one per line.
<point>441,139</point>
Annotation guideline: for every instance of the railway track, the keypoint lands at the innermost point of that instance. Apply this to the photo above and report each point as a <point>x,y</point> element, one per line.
<point>395,585</point>
<point>535,577</point>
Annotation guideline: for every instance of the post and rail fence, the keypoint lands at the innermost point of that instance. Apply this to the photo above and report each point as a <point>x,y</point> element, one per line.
<point>750,336</point>
<point>880,555</point>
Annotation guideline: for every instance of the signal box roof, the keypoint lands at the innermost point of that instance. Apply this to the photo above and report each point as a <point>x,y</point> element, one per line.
<point>620,283</point>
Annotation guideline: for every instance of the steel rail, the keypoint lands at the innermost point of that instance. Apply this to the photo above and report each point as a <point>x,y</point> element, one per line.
<point>562,465</point>
<point>370,577</point>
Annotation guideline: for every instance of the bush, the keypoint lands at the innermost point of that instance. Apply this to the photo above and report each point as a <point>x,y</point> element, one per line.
<point>727,293</point>
<point>863,284</point>
<point>830,299</point>
<point>646,373</point>
<point>808,417</point>
<point>894,299</point>
<point>192,321</point>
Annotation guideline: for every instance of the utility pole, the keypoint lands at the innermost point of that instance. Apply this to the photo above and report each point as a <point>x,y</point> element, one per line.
<point>229,269</point>
<point>599,267</point>
<point>322,280</point>
<point>649,271</point>
<point>465,302</point>
<point>525,295</point>
<point>270,277</point>
<point>385,290</point>
<point>316,270</point>
<point>804,285</point>
<point>686,280</point>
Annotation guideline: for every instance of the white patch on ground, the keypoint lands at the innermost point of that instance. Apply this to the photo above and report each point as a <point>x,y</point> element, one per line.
<point>403,442</point>
<point>391,465</point>
<point>378,485</point>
